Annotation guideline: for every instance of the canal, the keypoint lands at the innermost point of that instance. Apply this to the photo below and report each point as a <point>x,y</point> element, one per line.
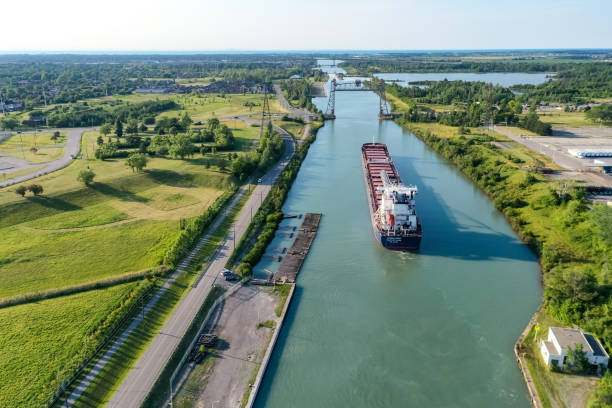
<point>373,328</point>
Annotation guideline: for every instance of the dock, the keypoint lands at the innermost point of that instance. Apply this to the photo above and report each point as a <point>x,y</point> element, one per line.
<point>291,265</point>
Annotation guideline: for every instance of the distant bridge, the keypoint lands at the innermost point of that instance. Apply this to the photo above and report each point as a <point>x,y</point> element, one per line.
<point>357,86</point>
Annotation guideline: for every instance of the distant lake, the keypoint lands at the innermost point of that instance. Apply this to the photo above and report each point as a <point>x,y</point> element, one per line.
<point>504,79</point>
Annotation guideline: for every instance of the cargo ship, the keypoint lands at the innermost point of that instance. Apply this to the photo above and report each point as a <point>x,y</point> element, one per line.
<point>392,204</point>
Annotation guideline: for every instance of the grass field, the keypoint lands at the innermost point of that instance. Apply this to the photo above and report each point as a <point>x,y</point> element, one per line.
<point>40,341</point>
<point>39,156</point>
<point>107,381</point>
<point>67,236</point>
<point>205,106</point>
<point>296,129</point>
<point>29,140</point>
<point>7,175</point>
<point>560,118</point>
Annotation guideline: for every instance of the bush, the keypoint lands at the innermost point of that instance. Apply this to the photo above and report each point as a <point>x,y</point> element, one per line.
<point>86,176</point>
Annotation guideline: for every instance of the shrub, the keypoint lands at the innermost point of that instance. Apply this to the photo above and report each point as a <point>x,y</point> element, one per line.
<point>86,176</point>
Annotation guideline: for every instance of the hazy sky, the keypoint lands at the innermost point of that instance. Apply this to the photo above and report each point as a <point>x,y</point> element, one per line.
<point>123,25</point>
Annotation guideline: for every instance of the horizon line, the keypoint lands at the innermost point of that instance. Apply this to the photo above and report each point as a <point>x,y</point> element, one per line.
<point>287,51</point>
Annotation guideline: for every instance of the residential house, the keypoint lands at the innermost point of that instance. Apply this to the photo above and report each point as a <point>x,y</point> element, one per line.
<point>554,349</point>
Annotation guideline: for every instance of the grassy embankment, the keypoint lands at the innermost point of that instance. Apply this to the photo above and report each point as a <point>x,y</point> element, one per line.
<point>552,217</point>
<point>67,237</point>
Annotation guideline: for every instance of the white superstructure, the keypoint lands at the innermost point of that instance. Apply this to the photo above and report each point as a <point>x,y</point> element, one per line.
<point>397,211</point>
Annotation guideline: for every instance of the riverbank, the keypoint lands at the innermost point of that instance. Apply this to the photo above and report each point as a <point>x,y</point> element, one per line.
<point>551,217</point>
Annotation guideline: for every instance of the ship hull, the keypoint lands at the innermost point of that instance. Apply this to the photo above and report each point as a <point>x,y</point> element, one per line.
<point>410,242</point>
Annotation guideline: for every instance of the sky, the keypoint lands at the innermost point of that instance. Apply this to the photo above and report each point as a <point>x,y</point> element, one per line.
<point>207,25</point>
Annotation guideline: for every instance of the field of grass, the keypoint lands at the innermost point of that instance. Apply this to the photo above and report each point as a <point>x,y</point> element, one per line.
<point>205,106</point>
<point>296,129</point>
<point>559,118</point>
<point>107,381</point>
<point>39,156</point>
<point>29,140</point>
<point>7,175</point>
<point>69,235</point>
<point>40,341</point>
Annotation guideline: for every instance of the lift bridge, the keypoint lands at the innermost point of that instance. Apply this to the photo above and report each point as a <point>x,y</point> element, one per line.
<point>357,86</point>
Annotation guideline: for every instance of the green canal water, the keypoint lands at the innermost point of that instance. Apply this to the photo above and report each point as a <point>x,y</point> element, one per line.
<point>373,328</point>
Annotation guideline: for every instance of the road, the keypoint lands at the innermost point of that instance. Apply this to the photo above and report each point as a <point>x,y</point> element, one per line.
<point>143,375</point>
<point>72,148</point>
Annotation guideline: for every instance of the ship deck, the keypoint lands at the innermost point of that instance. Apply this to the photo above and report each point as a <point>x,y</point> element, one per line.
<point>376,159</point>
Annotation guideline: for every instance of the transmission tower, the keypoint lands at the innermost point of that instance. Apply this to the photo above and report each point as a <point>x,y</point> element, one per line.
<point>265,111</point>
<point>330,112</point>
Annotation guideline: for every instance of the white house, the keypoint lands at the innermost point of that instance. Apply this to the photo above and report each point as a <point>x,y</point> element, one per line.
<point>560,338</point>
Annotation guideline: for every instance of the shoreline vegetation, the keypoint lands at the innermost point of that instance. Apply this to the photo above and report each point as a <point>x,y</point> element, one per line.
<point>554,218</point>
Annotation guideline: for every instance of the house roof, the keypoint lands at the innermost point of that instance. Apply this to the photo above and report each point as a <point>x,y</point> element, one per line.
<point>598,350</point>
<point>570,337</point>
<point>550,347</point>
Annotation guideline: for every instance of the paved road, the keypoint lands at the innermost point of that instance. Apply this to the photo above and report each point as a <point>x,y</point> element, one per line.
<point>143,375</point>
<point>72,148</point>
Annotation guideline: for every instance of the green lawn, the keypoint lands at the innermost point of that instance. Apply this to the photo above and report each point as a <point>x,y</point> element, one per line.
<point>39,156</point>
<point>559,118</point>
<point>41,342</point>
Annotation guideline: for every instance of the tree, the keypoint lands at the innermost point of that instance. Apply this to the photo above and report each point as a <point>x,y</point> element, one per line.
<point>132,127</point>
<point>106,150</point>
<point>35,189</point>
<point>186,121</point>
<point>55,136</point>
<point>143,127</point>
<point>222,163</point>
<point>9,123</point>
<point>118,129</point>
<point>576,359</point>
<point>21,190</point>
<point>137,161</point>
<point>86,176</point>
<point>99,140</point>
<point>181,146</point>
<point>602,113</point>
<point>106,129</point>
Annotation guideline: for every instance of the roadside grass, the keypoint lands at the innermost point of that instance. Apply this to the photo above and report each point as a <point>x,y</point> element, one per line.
<point>561,118</point>
<point>33,365</point>
<point>190,391</point>
<point>109,379</point>
<point>556,390</point>
<point>7,175</point>
<point>28,140</point>
<point>295,129</point>
<point>40,156</point>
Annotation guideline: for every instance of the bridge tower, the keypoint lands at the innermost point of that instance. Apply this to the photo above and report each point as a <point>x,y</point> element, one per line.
<point>330,112</point>
<point>383,106</point>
